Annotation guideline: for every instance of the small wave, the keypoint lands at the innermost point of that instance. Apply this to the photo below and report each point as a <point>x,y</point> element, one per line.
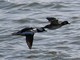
<point>34,4</point>
<point>10,5</point>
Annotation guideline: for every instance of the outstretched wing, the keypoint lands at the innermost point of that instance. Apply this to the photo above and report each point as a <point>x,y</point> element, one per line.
<point>50,19</point>
<point>29,38</point>
<point>53,20</point>
<point>23,31</point>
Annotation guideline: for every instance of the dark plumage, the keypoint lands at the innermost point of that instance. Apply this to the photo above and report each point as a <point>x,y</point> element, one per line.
<point>29,33</point>
<point>54,23</point>
<point>29,38</point>
<point>65,22</point>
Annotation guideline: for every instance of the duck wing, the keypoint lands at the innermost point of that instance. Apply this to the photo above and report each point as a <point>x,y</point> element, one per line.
<point>26,29</point>
<point>50,19</point>
<point>29,38</point>
<point>53,20</point>
<point>22,32</point>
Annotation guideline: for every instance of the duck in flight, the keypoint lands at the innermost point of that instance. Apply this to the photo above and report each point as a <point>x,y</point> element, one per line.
<point>29,32</point>
<point>54,23</point>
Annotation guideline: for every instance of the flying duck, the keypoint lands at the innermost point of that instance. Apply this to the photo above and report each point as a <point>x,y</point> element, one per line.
<point>29,33</point>
<point>55,23</point>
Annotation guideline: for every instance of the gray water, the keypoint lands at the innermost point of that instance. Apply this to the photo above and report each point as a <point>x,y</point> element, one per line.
<point>59,44</point>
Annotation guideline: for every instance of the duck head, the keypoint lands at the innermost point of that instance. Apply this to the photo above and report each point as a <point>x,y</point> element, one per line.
<point>65,22</point>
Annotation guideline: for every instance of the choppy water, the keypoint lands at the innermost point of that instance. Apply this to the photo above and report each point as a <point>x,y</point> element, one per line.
<point>60,44</point>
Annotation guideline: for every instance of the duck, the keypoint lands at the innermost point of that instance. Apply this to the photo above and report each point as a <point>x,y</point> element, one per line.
<point>29,32</point>
<point>55,23</point>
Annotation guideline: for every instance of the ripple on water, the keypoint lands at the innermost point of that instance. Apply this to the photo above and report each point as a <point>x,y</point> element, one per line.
<point>34,54</point>
<point>59,44</point>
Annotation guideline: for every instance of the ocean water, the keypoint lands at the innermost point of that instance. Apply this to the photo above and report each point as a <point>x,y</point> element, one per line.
<point>59,44</point>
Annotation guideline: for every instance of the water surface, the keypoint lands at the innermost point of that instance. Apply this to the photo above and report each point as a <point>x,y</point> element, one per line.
<point>59,44</point>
